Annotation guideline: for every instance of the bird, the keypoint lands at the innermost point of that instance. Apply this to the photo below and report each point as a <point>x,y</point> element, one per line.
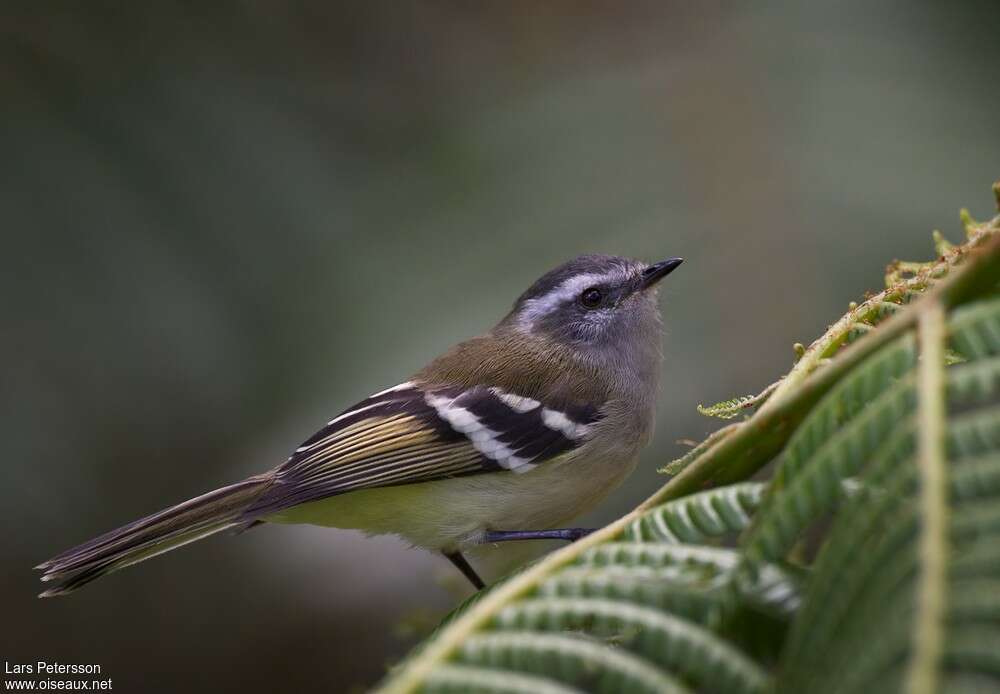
<point>509,435</point>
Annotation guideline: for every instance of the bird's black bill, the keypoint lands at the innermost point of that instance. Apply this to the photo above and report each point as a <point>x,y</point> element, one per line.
<point>657,271</point>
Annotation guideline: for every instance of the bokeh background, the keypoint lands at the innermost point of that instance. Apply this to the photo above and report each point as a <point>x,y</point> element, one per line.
<point>224,222</point>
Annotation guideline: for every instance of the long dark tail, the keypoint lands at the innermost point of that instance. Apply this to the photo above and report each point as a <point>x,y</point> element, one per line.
<point>152,535</point>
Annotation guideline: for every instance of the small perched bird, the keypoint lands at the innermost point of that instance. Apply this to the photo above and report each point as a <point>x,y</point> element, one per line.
<point>507,436</point>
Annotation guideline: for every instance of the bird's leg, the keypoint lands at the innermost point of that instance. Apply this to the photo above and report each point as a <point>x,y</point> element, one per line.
<point>462,565</point>
<point>568,534</point>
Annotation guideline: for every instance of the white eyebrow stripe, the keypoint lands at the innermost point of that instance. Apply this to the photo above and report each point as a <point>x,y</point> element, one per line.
<point>535,308</point>
<point>482,438</point>
<point>517,403</point>
<point>564,425</point>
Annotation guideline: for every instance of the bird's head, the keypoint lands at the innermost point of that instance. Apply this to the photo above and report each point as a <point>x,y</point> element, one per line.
<point>595,304</point>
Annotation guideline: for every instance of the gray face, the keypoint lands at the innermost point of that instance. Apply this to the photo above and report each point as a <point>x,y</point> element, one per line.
<point>594,301</point>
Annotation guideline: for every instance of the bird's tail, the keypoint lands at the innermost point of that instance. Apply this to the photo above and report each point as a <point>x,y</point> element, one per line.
<point>152,535</point>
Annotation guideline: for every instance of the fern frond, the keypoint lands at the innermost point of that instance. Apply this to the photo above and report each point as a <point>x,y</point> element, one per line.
<point>973,650</point>
<point>933,545</point>
<point>974,434</point>
<point>975,330</point>
<point>462,679</point>
<point>900,270</point>
<point>803,491</point>
<point>732,408</point>
<point>941,244</point>
<point>676,466</point>
<point>698,517</point>
<point>702,596</point>
<point>919,529</point>
<point>709,575</point>
<point>831,446</point>
<point>572,660</point>
<point>678,646</point>
<point>645,554</point>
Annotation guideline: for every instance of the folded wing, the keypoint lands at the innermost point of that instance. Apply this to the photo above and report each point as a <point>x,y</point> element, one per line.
<point>413,433</point>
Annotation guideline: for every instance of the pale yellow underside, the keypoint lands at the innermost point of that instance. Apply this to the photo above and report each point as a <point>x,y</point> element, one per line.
<point>454,513</point>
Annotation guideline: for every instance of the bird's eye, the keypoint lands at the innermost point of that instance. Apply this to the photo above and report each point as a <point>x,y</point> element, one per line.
<point>592,297</point>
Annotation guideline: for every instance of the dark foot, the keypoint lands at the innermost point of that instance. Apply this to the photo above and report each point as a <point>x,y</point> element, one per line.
<point>462,565</point>
<point>568,534</point>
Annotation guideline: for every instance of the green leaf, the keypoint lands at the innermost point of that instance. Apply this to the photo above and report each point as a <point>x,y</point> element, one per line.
<point>732,408</point>
<point>462,679</point>
<point>570,659</point>
<point>698,517</point>
<point>676,466</point>
<point>675,644</point>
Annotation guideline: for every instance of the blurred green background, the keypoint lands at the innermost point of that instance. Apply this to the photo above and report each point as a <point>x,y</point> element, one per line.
<point>225,222</point>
